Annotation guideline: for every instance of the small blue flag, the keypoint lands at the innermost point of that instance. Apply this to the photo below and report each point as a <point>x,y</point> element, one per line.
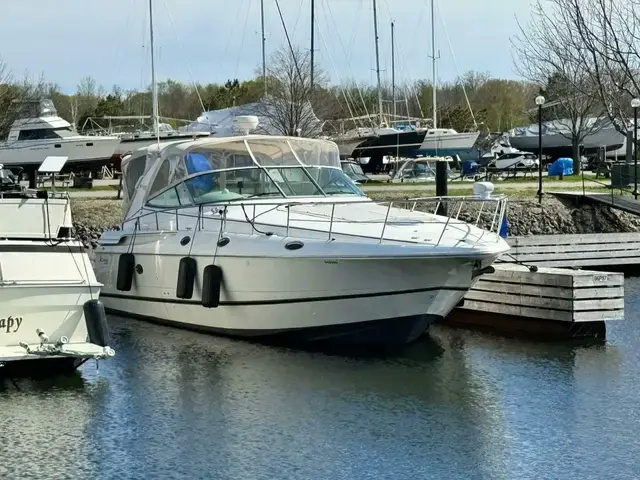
<point>503,227</point>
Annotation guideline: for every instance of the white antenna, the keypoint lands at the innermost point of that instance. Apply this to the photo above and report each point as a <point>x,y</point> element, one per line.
<point>154,85</point>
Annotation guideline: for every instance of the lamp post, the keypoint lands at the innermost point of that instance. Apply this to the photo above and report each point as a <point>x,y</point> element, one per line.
<point>540,102</point>
<point>635,103</point>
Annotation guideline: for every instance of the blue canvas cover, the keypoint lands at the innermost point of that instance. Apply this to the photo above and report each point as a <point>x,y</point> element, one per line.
<point>562,166</point>
<point>198,162</point>
<point>469,167</point>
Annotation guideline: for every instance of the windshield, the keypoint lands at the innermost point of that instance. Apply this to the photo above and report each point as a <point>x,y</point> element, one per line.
<point>256,167</point>
<point>276,182</point>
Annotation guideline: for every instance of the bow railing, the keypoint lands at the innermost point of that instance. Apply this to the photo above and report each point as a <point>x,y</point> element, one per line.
<point>326,220</point>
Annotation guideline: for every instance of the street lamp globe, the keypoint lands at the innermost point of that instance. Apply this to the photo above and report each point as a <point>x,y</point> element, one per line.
<point>635,103</point>
<point>540,100</point>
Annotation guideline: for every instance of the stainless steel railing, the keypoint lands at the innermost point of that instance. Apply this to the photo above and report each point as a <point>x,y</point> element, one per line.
<point>447,212</point>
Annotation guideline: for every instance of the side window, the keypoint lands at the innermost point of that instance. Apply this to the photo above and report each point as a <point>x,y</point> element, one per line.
<point>183,194</point>
<point>166,199</point>
<point>135,170</point>
<point>162,178</point>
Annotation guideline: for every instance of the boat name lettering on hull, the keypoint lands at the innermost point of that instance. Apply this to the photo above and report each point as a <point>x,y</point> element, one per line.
<point>10,324</point>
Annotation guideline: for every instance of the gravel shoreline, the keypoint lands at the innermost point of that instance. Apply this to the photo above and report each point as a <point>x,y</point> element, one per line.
<point>92,216</point>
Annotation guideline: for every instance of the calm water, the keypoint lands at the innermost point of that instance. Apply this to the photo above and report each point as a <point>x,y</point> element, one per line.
<point>175,404</point>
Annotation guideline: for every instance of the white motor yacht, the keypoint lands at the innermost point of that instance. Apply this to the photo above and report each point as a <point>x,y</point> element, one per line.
<point>41,133</point>
<point>48,290</point>
<point>265,236</point>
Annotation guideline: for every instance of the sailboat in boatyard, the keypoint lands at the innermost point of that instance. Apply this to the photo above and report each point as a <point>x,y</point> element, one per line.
<point>443,141</point>
<point>381,140</point>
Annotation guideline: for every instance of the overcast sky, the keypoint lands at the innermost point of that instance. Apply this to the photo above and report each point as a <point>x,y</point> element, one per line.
<point>213,40</point>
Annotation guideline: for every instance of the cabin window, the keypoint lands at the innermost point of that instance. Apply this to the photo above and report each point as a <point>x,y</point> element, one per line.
<point>231,185</point>
<point>45,133</point>
<point>161,180</point>
<point>183,194</point>
<point>38,134</point>
<point>134,169</point>
<point>294,182</point>
<point>168,199</point>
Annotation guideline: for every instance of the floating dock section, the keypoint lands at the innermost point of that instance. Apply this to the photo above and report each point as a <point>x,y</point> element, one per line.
<point>550,302</point>
<point>595,250</point>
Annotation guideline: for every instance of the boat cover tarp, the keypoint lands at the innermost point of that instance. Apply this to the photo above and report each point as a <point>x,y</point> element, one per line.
<point>562,166</point>
<point>221,121</point>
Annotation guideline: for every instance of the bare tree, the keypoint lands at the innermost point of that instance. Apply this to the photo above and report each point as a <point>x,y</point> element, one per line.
<point>547,54</point>
<point>607,32</point>
<point>18,99</point>
<point>291,105</point>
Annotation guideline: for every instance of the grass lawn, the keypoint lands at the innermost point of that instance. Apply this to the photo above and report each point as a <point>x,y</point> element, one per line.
<point>589,177</point>
<point>512,194</point>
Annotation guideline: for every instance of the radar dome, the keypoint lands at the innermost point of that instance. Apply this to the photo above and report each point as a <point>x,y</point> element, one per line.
<point>245,123</point>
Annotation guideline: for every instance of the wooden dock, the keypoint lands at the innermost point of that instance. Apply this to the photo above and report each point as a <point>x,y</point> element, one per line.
<point>575,251</point>
<point>573,303</point>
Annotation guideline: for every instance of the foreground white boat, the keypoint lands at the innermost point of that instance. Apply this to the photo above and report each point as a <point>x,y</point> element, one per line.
<point>48,291</point>
<point>264,236</point>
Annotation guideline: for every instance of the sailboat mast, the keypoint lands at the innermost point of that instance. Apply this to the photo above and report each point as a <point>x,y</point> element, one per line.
<point>264,48</point>
<point>393,69</point>
<point>313,22</point>
<point>154,85</point>
<point>375,31</point>
<point>434,59</point>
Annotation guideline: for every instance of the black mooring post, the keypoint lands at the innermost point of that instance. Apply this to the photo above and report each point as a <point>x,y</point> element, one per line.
<point>33,178</point>
<point>441,184</point>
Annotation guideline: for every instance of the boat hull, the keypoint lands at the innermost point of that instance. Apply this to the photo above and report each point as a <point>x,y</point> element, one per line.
<point>346,147</point>
<point>400,144</point>
<point>82,152</point>
<point>128,145</point>
<point>557,145</point>
<point>452,144</point>
<point>58,310</point>
<point>362,301</point>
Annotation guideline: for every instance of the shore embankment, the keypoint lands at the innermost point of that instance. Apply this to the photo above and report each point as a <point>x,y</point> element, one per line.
<point>524,217</point>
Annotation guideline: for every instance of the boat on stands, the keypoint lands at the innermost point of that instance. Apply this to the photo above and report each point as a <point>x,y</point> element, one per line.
<point>131,139</point>
<point>51,316</point>
<point>39,133</point>
<point>448,142</point>
<point>266,237</point>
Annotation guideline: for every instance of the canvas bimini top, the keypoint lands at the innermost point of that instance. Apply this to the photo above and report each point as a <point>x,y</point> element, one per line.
<point>213,170</point>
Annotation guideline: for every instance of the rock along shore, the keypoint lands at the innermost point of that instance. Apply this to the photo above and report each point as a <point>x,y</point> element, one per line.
<point>92,216</point>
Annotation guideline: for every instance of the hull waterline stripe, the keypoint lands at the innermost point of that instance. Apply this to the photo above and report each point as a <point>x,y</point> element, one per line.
<point>284,301</point>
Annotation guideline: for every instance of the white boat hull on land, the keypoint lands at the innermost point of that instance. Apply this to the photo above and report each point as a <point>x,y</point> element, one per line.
<point>448,143</point>
<point>96,151</point>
